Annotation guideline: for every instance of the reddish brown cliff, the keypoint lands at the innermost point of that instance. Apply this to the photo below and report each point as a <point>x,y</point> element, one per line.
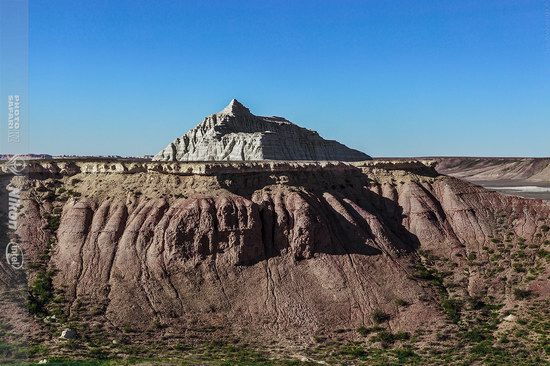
<point>279,256</point>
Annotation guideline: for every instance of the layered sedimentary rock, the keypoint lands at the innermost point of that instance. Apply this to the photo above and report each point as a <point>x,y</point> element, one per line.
<point>235,134</point>
<point>536,170</point>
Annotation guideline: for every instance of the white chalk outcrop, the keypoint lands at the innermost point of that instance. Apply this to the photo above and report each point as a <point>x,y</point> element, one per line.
<point>235,134</point>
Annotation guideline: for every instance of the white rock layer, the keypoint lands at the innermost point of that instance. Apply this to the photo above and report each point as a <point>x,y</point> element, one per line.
<point>235,134</point>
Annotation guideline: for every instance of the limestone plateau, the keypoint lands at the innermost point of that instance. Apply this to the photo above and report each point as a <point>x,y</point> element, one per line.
<point>235,134</point>
<point>291,257</point>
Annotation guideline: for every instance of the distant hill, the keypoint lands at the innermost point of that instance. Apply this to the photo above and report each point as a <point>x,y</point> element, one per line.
<point>235,134</point>
<point>485,169</point>
<point>26,156</point>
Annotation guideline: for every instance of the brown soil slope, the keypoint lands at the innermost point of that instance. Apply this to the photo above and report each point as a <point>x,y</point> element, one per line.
<point>278,253</point>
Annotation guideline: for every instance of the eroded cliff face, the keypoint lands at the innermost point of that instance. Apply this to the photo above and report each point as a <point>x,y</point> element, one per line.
<point>283,255</point>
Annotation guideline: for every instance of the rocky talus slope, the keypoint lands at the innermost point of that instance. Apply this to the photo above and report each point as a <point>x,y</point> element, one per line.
<point>235,134</point>
<point>297,256</point>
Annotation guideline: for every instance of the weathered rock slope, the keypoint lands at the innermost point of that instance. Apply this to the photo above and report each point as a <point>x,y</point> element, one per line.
<point>280,255</point>
<point>235,134</point>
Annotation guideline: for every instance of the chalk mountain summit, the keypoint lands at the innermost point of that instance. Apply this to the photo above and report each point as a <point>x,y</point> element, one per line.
<point>235,134</point>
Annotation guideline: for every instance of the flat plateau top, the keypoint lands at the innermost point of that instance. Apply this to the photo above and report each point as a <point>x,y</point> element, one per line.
<point>128,166</point>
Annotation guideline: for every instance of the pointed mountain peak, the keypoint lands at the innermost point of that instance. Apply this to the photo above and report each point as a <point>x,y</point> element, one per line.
<point>235,108</point>
<point>236,134</point>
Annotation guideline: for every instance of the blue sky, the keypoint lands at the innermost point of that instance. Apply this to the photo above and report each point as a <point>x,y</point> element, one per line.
<point>391,78</point>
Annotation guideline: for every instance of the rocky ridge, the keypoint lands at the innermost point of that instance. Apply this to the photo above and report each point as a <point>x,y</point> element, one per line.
<point>69,167</point>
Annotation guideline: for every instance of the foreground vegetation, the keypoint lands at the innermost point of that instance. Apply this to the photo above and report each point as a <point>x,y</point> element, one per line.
<point>525,342</point>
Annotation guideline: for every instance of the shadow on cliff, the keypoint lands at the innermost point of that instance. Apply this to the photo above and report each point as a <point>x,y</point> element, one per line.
<point>341,199</point>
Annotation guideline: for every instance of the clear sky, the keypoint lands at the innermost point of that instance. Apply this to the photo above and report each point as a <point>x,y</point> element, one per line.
<point>391,78</point>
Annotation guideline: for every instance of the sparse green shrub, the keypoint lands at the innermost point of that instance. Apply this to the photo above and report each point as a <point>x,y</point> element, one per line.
<point>378,316</point>
<point>543,253</point>
<point>183,347</point>
<point>482,348</point>
<point>402,302</point>
<point>519,268</point>
<point>73,193</point>
<point>385,338</point>
<point>5,350</point>
<point>40,294</point>
<point>423,273</point>
<point>520,333</point>
<point>364,331</point>
<point>98,354</point>
<point>402,336</point>
<point>53,222</point>
<point>477,304</point>
<point>353,351</point>
<point>452,308</point>
<point>405,354</point>
<point>522,294</point>
<point>475,335</point>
